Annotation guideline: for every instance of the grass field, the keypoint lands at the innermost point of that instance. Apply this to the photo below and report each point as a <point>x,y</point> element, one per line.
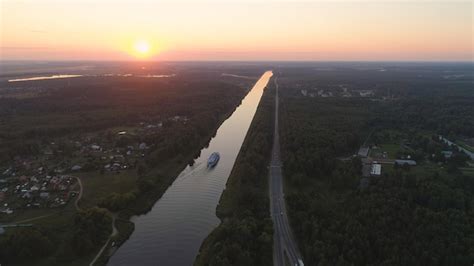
<point>97,186</point>
<point>391,149</point>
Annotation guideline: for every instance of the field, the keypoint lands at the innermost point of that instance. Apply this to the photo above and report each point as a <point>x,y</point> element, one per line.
<point>98,186</point>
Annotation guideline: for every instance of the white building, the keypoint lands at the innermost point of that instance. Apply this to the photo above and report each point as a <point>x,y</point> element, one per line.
<point>376,169</point>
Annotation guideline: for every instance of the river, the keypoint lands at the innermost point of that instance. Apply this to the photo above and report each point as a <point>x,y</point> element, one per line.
<point>172,232</point>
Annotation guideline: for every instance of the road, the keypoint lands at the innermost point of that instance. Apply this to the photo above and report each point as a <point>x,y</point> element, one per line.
<point>114,233</point>
<point>284,244</point>
<point>79,196</point>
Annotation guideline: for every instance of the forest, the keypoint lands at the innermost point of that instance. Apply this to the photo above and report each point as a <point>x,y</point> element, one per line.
<point>404,217</point>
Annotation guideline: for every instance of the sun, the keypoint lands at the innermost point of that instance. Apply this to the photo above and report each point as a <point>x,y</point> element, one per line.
<point>142,48</point>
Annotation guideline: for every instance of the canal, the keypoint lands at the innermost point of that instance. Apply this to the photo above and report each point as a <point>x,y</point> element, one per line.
<point>172,232</point>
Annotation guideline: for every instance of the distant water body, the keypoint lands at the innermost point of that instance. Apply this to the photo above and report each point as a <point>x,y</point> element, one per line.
<point>172,232</point>
<point>45,77</point>
<point>64,76</point>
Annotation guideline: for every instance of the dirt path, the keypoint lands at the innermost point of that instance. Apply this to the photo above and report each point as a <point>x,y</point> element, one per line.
<point>114,217</point>
<point>114,233</point>
<point>76,202</point>
<point>34,218</point>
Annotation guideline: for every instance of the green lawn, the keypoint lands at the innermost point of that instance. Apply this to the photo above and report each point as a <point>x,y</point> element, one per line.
<point>391,149</point>
<point>424,169</point>
<point>97,186</point>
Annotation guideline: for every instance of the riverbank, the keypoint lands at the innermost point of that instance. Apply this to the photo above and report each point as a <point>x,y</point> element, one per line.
<point>167,173</point>
<point>244,236</point>
<point>173,231</point>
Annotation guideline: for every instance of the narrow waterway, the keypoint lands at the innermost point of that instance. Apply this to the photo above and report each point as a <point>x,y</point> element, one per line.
<point>172,232</point>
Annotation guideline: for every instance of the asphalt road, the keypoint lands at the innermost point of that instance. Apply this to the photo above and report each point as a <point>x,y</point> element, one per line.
<point>284,244</point>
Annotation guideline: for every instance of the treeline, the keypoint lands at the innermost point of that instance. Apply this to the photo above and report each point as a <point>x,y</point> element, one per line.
<point>90,105</point>
<point>448,115</point>
<point>244,236</point>
<point>88,231</point>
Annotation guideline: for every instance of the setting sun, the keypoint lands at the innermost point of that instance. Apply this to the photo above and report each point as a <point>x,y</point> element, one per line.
<point>142,48</point>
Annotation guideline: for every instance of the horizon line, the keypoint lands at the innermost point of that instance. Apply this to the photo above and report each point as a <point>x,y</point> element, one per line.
<point>237,61</point>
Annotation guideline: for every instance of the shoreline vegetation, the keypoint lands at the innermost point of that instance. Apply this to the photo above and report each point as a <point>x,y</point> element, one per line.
<point>145,202</point>
<point>245,235</point>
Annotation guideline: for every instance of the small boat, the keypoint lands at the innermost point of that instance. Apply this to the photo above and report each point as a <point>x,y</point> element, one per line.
<point>213,159</point>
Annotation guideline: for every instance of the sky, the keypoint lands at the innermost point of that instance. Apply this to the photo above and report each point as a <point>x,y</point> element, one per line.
<point>236,30</point>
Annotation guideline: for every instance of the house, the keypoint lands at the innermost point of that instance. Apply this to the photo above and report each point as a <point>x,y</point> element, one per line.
<point>142,146</point>
<point>366,93</point>
<point>76,168</point>
<point>363,151</point>
<point>48,152</point>
<point>405,162</point>
<point>7,211</point>
<point>116,167</point>
<point>376,169</point>
<point>95,147</point>
<point>7,172</point>
<point>54,180</point>
<point>447,154</point>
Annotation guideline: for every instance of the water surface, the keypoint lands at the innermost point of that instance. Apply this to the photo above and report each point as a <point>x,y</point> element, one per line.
<point>45,77</point>
<point>172,232</point>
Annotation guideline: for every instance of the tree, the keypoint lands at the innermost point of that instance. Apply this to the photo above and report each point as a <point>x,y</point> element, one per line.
<point>24,244</point>
<point>91,227</point>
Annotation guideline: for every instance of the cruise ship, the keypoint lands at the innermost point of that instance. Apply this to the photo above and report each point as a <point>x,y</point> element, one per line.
<point>213,159</point>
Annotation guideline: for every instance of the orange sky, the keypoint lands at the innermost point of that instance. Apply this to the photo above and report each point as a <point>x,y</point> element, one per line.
<point>230,30</point>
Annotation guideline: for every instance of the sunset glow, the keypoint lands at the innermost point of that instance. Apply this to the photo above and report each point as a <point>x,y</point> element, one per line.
<point>141,49</point>
<point>310,30</point>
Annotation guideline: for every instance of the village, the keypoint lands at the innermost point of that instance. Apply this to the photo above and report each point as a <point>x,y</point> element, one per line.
<point>385,151</point>
<point>50,179</point>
